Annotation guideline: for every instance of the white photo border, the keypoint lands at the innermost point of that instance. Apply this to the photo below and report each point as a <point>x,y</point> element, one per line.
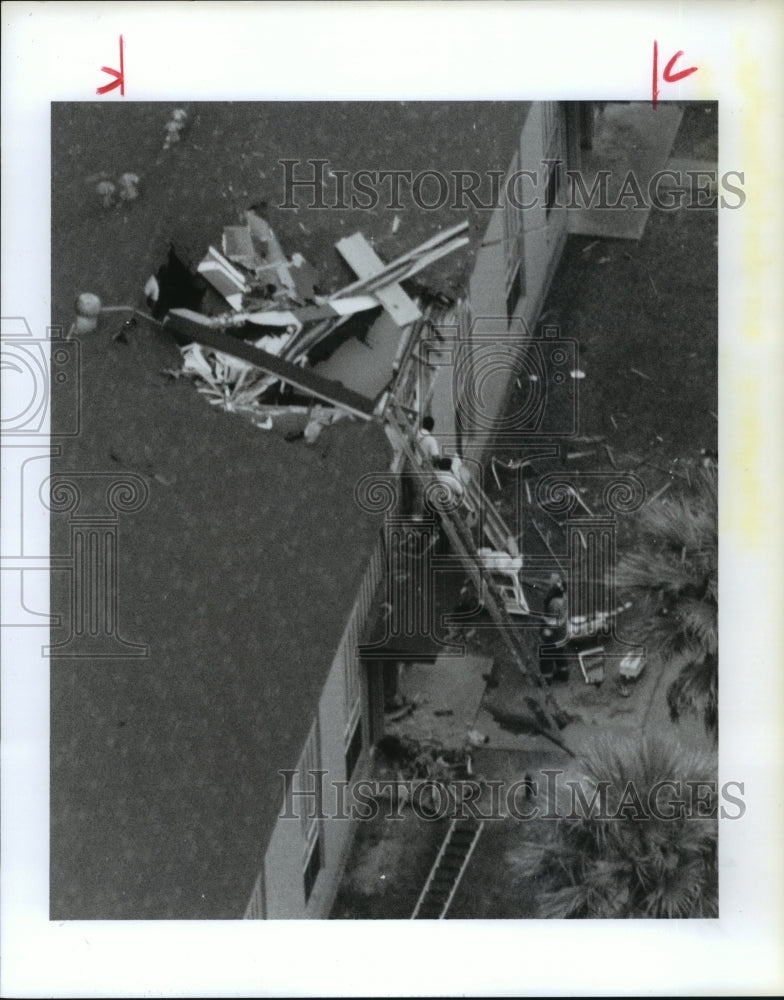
<point>209,51</point>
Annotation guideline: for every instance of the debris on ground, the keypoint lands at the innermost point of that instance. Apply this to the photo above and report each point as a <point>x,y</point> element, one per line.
<point>660,492</point>
<point>395,715</point>
<point>426,760</point>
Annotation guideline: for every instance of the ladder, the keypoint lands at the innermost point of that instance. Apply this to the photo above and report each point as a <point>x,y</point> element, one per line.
<point>448,869</point>
<point>461,535</point>
<point>496,531</point>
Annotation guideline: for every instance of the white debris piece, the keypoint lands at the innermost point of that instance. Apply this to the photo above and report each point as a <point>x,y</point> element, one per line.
<point>152,291</point>
<point>106,192</point>
<point>229,383</point>
<point>273,343</point>
<point>129,187</point>
<point>194,362</point>
<point>321,417</point>
<point>175,127</point>
<point>88,309</point>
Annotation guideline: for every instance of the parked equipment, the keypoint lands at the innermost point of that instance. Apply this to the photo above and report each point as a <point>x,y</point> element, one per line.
<point>504,571</point>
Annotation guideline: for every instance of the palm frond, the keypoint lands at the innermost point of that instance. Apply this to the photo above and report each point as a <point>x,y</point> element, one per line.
<point>654,570</point>
<point>700,621</point>
<point>635,867</point>
<point>674,567</point>
<point>695,691</point>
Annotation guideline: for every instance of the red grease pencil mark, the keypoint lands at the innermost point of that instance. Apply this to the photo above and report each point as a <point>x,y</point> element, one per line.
<point>669,75</point>
<point>118,74</point>
<point>655,83</point>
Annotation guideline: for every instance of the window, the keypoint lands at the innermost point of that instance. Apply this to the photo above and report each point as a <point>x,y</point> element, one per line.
<point>312,868</point>
<point>514,293</point>
<point>549,122</point>
<point>553,185</point>
<point>513,243</point>
<point>352,735</point>
<point>310,825</point>
<point>552,161</point>
<point>354,748</point>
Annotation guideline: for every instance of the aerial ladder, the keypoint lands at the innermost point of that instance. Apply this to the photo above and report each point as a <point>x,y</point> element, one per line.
<point>490,556</point>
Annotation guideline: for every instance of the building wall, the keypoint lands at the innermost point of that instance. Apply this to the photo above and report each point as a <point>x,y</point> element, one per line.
<point>531,237</point>
<point>279,892</point>
<point>543,137</point>
<point>281,881</point>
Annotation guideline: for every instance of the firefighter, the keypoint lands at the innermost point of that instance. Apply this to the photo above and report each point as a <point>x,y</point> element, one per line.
<point>553,658</point>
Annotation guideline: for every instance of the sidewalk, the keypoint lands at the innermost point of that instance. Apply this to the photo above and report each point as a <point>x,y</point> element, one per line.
<point>630,138</point>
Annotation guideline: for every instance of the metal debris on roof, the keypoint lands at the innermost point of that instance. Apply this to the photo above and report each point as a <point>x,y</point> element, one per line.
<point>129,187</point>
<point>321,417</point>
<point>411,263</point>
<point>302,379</point>
<point>175,127</point>
<point>364,261</point>
<point>230,383</point>
<point>282,345</point>
<point>106,191</point>
<point>280,331</point>
<point>224,278</point>
<point>238,247</point>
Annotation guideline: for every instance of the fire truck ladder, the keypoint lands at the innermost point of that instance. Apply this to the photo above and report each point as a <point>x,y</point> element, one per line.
<point>461,535</point>
<point>448,869</point>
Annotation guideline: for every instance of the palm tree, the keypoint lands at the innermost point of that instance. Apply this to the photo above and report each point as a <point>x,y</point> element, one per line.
<point>633,861</point>
<point>674,574</point>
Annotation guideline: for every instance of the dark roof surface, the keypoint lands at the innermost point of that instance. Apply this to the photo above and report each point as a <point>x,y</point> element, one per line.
<point>239,574</point>
<point>230,158</point>
<point>240,570</point>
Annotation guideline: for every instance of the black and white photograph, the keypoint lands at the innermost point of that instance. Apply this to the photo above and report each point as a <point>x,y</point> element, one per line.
<point>374,443</point>
<point>392,513</point>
